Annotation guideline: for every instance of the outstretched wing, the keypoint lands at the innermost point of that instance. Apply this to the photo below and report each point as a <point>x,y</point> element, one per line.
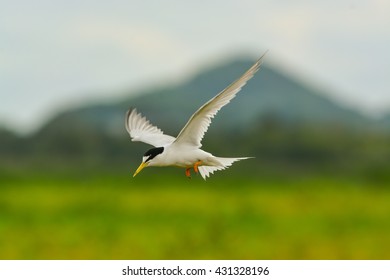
<point>193,132</point>
<point>140,129</point>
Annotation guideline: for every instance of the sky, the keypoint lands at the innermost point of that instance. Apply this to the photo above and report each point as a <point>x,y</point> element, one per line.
<point>58,54</point>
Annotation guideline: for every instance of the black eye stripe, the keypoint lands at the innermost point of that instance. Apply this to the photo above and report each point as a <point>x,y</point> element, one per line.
<point>152,153</point>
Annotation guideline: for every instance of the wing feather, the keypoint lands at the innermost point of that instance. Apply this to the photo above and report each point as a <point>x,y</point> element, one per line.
<point>206,171</point>
<point>140,129</point>
<point>193,132</point>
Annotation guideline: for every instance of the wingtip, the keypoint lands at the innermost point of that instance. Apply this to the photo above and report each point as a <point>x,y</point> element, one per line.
<point>131,110</point>
<point>261,59</point>
<point>257,64</point>
<point>266,51</point>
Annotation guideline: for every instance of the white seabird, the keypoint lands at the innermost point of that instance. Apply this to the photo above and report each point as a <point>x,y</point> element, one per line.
<point>185,150</point>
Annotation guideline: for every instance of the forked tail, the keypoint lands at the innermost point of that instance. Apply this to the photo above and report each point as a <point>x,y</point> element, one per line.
<point>206,171</point>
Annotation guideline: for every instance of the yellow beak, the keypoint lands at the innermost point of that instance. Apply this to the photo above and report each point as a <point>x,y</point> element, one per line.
<point>142,166</point>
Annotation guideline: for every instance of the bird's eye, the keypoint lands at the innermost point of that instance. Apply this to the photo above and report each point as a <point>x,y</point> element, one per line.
<point>149,158</point>
<point>152,153</point>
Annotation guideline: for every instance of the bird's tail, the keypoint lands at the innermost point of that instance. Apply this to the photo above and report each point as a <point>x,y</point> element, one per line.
<point>206,171</point>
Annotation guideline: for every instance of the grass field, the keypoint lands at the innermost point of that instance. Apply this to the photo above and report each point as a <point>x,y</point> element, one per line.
<point>156,216</point>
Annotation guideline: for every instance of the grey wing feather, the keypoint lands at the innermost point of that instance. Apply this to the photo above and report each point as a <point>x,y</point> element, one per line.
<point>140,129</point>
<point>196,127</point>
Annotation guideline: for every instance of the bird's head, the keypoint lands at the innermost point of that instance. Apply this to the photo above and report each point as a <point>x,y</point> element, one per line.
<point>149,158</point>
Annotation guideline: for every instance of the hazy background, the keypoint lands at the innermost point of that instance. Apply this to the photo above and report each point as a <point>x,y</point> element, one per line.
<point>59,53</point>
<point>315,117</point>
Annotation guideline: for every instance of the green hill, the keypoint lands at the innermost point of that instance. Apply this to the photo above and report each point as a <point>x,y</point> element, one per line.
<point>274,117</point>
<point>269,94</point>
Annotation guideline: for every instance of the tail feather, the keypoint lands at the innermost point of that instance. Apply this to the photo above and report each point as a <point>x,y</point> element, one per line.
<point>206,171</point>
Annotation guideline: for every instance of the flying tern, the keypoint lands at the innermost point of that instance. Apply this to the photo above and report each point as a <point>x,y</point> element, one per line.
<point>185,150</point>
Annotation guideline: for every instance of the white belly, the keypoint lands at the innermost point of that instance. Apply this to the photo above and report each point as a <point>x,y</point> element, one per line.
<point>184,157</point>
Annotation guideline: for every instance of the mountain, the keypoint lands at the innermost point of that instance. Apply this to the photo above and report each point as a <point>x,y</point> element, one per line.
<point>275,118</point>
<point>270,94</point>
<point>385,121</point>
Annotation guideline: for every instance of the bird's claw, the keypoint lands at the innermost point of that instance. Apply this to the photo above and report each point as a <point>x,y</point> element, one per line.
<point>196,169</point>
<point>196,165</point>
<point>188,173</point>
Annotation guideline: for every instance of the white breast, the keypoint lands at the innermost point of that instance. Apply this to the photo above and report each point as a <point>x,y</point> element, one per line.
<point>180,156</point>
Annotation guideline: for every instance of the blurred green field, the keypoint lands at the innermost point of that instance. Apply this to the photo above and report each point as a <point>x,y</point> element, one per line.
<point>163,215</point>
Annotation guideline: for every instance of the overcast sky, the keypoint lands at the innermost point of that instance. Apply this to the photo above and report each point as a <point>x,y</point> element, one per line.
<point>59,53</point>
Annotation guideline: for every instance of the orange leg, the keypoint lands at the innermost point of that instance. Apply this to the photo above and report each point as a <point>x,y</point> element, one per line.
<point>188,173</point>
<point>196,165</point>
